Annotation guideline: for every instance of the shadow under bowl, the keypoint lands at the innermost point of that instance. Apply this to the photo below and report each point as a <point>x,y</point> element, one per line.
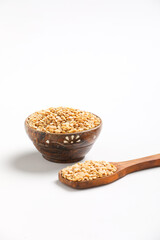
<point>63,148</point>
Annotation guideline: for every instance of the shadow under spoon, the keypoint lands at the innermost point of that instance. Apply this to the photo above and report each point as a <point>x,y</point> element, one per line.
<point>123,168</point>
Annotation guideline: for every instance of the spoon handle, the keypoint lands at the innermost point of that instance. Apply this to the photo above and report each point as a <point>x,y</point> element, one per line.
<point>140,163</point>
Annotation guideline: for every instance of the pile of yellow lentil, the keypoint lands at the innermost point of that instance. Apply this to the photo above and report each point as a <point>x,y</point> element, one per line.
<point>63,120</point>
<point>89,170</point>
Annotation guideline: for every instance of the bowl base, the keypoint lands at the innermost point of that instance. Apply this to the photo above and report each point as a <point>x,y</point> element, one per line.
<point>51,159</point>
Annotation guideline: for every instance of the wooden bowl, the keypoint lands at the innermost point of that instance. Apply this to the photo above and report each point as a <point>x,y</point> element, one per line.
<point>63,148</point>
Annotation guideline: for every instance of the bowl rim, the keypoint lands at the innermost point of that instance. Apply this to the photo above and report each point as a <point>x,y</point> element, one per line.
<point>60,134</point>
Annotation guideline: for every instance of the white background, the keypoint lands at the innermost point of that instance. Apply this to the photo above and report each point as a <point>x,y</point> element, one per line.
<point>99,56</point>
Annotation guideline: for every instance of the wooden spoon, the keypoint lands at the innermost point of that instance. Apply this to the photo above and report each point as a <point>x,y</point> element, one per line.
<point>123,168</point>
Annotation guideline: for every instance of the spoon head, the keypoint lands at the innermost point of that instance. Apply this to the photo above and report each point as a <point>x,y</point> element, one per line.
<point>90,183</point>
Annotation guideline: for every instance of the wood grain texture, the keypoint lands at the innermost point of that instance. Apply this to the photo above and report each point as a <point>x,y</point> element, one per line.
<point>123,168</point>
<point>63,148</point>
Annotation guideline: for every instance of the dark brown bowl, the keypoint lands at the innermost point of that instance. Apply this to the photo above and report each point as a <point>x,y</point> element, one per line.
<point>63,148</point>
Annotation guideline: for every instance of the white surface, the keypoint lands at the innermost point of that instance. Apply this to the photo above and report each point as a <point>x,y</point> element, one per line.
<point>100,56</point>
